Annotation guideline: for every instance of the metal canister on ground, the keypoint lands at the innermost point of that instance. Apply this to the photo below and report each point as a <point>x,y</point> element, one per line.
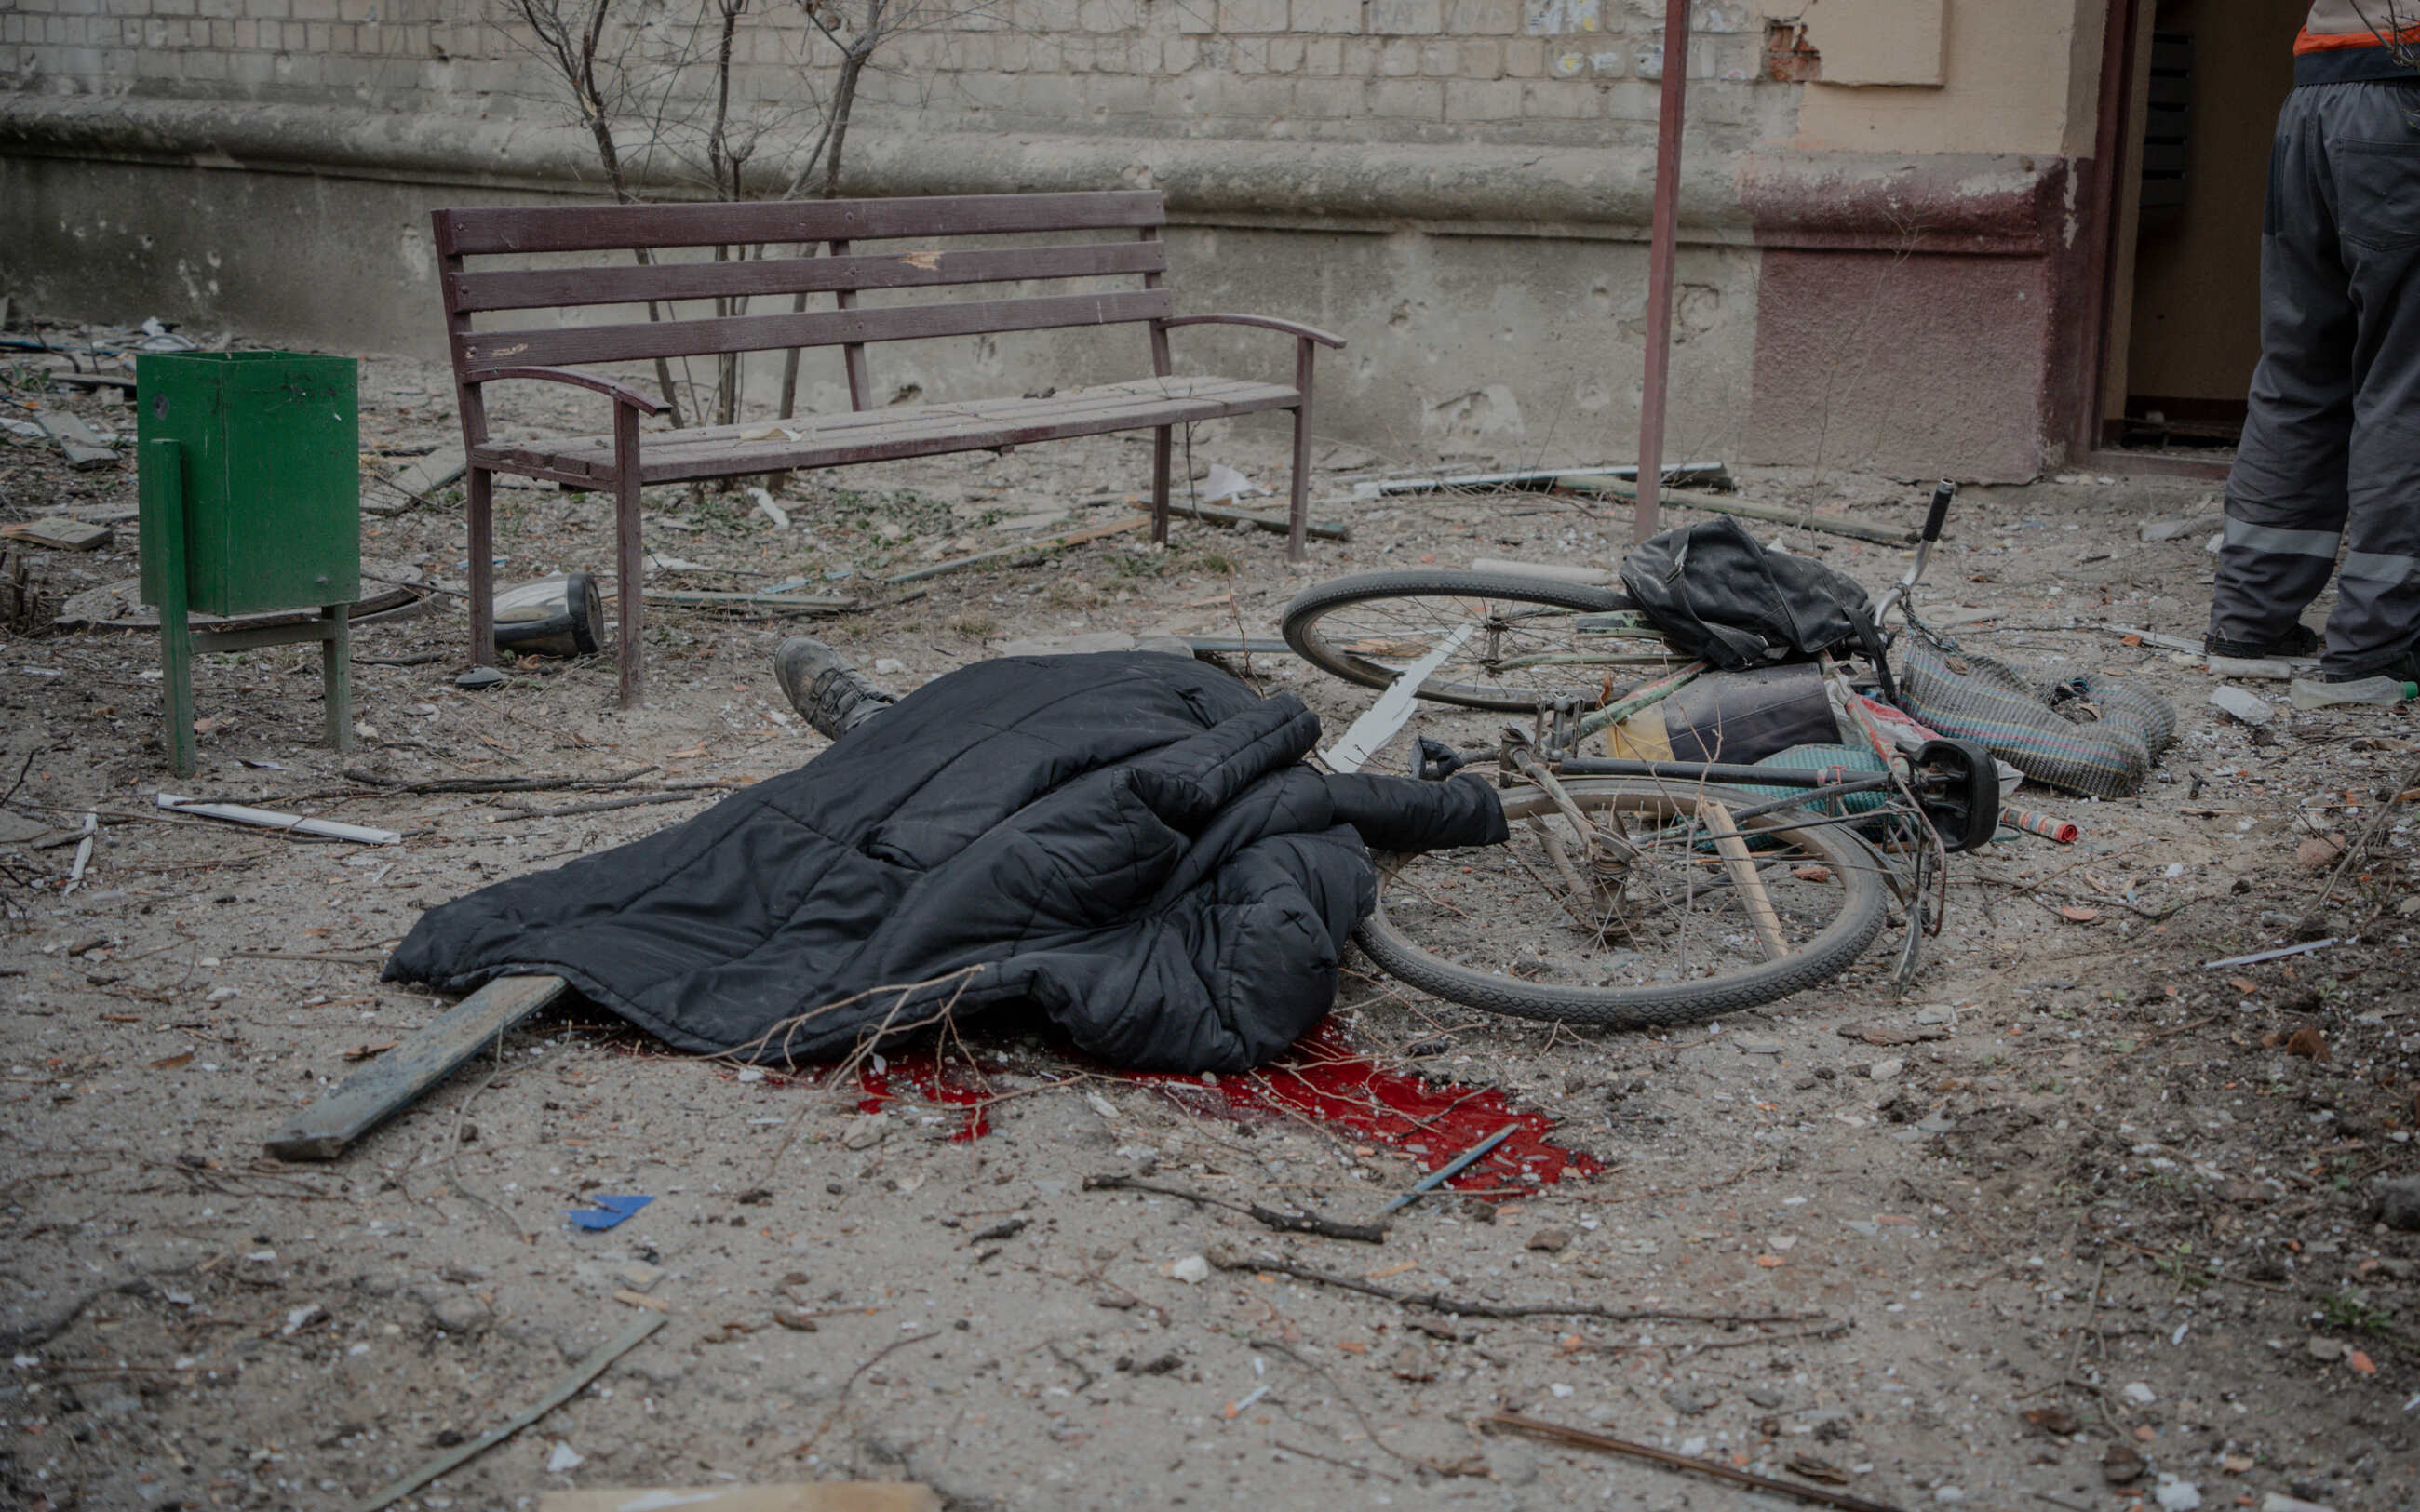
<point>552,617</point>
<point>1730,716</point>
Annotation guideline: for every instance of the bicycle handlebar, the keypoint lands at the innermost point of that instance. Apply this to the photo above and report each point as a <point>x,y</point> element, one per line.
<point>1942,494</point>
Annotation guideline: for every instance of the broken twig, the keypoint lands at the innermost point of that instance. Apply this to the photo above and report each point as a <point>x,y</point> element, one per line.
<point>604,805</point>
<point>1227,1258</point>
<point>1286,1223</point>
<point>1691,1463</point>
<point>493,784</point>
<point>568,1387</point>
<point>1468,1465</point>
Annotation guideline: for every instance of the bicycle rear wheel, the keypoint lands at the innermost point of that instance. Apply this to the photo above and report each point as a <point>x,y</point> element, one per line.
<point>1533,642</point>
<point>1681,943</point>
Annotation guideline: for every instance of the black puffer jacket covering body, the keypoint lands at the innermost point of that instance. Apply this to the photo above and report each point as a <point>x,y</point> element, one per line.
<point>1128,843</point>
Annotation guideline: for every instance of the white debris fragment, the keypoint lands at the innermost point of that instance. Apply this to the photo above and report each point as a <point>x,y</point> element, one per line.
<point>2248,707</point>
<point>764,506</point>
<point>1224,483</point>
<point>2176,1495</point>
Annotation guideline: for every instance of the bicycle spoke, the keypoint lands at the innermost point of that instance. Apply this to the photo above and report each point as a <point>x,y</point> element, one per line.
<point>1676,910</point>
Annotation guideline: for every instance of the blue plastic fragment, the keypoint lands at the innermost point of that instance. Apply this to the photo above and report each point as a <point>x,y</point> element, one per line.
<point>608,1210</point>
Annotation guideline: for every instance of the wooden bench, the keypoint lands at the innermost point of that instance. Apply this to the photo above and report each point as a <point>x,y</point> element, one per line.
<point>1122,238</point>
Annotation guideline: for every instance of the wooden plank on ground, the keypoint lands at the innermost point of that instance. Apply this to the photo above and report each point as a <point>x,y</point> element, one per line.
<point>797,1496</point>
<point>59,533</point>
<point>95,381</point>
<point>1676,475</point>
<point>401,1077</point>
<point>418,482</point>
<point>1772,514</point>
<point>712,598</point>
<point>84,449</point>
<point>1004,553</point>
<point>1320,529</point>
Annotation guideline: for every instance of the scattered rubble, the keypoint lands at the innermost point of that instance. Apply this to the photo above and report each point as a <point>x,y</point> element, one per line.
<point>2093,1166</point>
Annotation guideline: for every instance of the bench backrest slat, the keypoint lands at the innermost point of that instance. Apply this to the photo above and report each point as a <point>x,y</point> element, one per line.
<point>481,350</point>
<point>616,228</point>
<point>558,287</point>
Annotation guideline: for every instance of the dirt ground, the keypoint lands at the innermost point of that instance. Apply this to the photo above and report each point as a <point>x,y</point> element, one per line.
<point>2084,1229</point>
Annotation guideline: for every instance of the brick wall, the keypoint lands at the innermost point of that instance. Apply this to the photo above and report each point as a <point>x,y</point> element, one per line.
<point>1562,72</point>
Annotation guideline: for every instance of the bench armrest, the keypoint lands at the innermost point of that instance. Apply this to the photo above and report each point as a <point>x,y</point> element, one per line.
<point>619,392</point>
<point>1270,322</point>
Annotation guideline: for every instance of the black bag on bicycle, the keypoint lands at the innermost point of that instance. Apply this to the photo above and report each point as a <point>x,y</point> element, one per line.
<point>1716,594</point>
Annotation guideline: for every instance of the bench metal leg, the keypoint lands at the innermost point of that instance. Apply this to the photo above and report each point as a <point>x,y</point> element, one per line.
<point>164,532</point>
<point>1298,511</point>
<point>1298,508</point>
<point>481,488</point>
<point>1162,447</point>
<point>336,675</point>
<point>629,560</point>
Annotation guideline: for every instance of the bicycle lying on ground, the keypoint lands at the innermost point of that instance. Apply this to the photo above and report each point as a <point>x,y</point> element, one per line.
<point>1633,892</point>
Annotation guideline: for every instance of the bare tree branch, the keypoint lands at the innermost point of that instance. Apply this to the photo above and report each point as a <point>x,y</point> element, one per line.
<point>658,88</point>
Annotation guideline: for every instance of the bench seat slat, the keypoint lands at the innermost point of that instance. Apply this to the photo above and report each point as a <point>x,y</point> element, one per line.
<point>616,228</point>
<point>934,418</point>
<point>1120,402</point>
<point>567,347</point>
<point>825,440</point>
<point>532,288</point>
<point>1071,403</point>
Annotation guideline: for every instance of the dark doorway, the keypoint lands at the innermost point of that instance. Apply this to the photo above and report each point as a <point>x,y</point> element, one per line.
<point>2209,77</point>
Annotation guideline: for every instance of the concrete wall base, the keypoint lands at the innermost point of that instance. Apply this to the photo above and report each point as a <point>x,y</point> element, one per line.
<point>1492,298</point>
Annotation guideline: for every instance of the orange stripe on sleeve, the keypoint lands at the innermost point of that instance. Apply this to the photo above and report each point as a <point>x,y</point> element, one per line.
<point>2305,41</point>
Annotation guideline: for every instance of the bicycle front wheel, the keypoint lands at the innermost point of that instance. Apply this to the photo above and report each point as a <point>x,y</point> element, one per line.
<point>1680,936</point>
<point>1531,642</point>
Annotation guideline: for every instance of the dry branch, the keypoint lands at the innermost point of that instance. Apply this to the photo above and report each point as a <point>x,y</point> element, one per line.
<point>1284,1223</point>
<point>1228,1258</point>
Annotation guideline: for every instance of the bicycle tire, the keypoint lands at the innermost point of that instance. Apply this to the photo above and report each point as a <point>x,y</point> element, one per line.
<point>1307,615</point>
<point>1826,954</point>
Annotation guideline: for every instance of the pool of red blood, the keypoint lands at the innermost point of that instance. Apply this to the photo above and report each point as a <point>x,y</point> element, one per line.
<point>1323,1079</point>
<point>936,1080</point>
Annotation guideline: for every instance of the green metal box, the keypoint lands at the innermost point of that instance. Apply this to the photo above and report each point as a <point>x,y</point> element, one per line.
<point>271,476</point>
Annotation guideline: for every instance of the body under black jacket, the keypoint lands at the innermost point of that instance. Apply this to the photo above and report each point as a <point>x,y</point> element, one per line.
<point>1127,844</point>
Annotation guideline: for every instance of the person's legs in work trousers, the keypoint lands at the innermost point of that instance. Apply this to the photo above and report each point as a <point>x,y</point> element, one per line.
<point>2374,150</point>
<point>2330,442</point>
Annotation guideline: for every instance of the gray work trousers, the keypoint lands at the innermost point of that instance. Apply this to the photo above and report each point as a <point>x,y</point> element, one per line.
<point>2332,441</point>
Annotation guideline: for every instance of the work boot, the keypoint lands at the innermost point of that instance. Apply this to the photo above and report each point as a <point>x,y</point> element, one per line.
<point>821,685</point>
<point>2403,669</point>
<point>2296,640</point>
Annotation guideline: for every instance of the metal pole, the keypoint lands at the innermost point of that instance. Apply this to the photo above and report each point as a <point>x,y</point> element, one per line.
<point>1662,233</point>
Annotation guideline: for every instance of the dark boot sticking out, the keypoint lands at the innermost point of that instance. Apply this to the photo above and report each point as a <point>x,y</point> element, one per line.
<point>834,697</point>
